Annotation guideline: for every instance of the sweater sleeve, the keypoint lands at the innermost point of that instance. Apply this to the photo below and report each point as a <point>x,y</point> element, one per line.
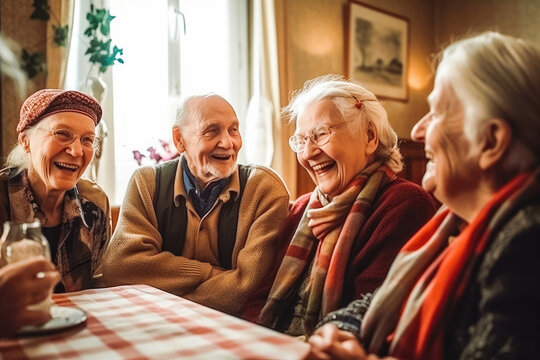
<point>134,255</point>
<point>256,300</point>
<point>508,321</point>
<point>349,318</point>
<point>263,209</point>
<point>401,210</point>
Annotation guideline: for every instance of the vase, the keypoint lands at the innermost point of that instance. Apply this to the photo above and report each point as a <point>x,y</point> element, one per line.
<point>96,87</point>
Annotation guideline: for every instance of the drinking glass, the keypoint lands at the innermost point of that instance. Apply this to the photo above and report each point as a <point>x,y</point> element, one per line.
<point>21,241</point>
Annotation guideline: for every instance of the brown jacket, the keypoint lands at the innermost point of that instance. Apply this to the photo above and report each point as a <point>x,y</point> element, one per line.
<point>135,255</point>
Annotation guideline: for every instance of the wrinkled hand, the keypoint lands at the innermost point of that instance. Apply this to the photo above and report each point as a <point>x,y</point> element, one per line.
<point>21,286</point>
<point>329,342</point>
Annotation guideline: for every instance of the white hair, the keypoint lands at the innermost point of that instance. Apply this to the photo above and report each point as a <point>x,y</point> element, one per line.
<point>191,109</point>
<point>498,76</point>
<point>345,95</point>
<point>17,157</point>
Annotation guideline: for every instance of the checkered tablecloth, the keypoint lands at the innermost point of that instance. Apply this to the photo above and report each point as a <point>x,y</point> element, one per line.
<point>141,322</point>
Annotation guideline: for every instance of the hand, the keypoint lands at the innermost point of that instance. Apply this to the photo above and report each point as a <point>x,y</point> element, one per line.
<point>329,342</point>
<point>21,286</point>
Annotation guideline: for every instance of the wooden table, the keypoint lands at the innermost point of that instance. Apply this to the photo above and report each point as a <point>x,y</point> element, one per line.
<point>141,322</point>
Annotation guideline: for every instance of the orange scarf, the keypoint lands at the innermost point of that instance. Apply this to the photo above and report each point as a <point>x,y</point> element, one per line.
<point>429,276</point>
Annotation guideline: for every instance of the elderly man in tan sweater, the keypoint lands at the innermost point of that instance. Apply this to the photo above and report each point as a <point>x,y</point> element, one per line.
<point>201,226</point>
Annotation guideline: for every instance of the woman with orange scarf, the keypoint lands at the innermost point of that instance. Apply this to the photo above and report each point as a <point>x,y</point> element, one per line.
<point>466,285</point>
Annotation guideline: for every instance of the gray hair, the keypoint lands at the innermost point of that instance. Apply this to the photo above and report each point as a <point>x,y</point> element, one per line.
<point>17,157</point>
<point>345,94</point>
<point>191,109</point>
<point>498,76</point>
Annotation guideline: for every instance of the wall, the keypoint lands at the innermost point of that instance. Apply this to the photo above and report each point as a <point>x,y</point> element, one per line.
<point>314,34</point>
<point>456,18</point>
<point>30,34</point>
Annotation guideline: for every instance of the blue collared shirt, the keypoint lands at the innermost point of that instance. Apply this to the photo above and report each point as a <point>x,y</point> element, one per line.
<point>203,199</point>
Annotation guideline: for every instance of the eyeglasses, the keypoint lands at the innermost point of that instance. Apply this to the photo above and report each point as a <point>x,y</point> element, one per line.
<point>65,137</point>
<point>319,136</point>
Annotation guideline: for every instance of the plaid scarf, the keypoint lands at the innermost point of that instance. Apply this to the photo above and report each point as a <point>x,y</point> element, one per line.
<point>333,227</point>
<point>430,274</point>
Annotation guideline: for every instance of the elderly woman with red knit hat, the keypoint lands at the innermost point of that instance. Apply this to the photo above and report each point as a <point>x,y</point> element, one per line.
<point>42,179</point>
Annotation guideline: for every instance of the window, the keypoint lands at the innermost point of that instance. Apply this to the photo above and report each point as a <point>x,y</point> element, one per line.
<point>163,65</point>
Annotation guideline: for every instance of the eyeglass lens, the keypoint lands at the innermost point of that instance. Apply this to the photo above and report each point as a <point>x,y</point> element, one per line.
<point>318,136</point>
<point>66,137</point>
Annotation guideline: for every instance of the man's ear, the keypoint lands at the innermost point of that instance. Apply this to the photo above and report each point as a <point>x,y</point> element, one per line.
<point>496,140</point>
<point>178,139</point>
<point>24,141</point>
<point>372,139</point>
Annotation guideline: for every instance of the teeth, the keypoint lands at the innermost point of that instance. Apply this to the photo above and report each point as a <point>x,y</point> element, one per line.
<point>221,156</point>
<point>321,165</point>
<point>69,166</point>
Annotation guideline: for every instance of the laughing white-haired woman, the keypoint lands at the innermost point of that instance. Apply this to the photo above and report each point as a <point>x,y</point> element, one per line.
<point>339,240</point>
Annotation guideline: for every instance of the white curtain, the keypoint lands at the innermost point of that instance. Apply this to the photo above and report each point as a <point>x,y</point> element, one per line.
<point>267,135</point>
<point>78,71</point>
<point>264,108</point>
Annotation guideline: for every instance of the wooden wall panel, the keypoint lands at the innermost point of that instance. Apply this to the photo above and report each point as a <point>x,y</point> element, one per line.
<point>414,160</point>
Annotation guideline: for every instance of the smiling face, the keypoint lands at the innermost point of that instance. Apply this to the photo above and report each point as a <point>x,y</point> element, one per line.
<point>332,166</point>
<point>55,167</point>
<point>210,142</point>
<point>452,172</point>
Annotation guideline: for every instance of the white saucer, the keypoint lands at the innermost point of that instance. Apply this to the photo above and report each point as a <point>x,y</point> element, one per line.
<point>63,318</point>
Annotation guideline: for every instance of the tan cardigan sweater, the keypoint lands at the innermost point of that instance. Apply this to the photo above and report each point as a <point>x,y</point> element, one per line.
<point>135,257</point>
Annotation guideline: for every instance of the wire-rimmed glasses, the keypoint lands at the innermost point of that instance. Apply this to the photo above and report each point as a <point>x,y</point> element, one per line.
<point>66,137</point>
<point>319,136</point>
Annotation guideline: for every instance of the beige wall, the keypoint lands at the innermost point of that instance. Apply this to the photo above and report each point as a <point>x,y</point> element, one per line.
<point>456,18</point>
<point>315,46</point>
<point>314,35</point>
<point>30,34</point>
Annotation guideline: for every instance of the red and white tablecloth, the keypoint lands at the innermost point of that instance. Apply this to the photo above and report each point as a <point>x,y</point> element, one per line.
<point>141,322</point>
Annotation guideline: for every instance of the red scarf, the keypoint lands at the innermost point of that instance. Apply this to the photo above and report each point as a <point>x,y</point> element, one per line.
<point>429,276</point>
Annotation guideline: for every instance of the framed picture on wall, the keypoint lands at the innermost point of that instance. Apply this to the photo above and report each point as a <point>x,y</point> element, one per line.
<point>377,50</point>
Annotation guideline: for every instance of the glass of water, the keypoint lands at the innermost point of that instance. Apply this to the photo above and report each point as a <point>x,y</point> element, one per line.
<point>21,241</point>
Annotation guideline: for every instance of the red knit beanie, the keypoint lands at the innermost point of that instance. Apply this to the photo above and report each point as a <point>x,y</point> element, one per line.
<point>46,102</point>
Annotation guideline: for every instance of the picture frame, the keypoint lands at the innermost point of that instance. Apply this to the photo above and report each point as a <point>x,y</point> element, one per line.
<point>378,50</point>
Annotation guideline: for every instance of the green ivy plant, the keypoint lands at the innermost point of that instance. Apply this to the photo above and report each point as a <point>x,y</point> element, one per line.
<point>102,52</point>
<point>41,10</point>
<point>60,35</point>
<point>34,63</point>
